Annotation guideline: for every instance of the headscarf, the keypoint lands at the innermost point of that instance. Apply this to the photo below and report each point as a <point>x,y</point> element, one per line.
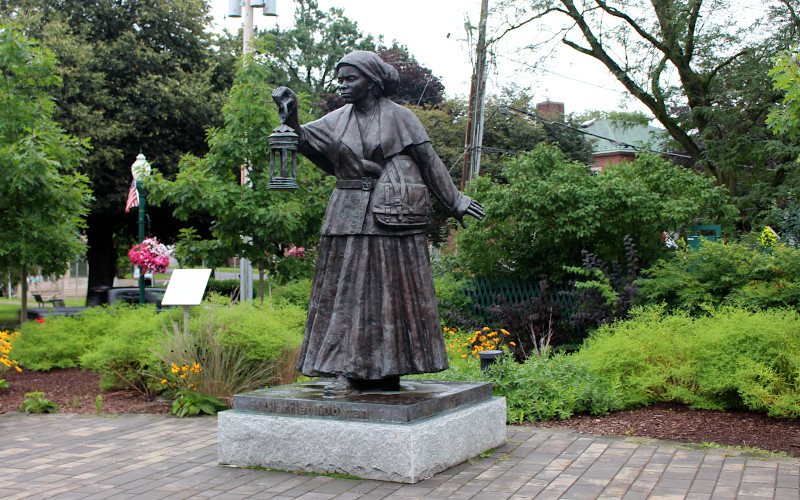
<point>376,69</point>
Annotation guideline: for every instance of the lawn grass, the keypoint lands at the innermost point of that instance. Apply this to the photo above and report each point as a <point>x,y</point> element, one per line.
<point>9,314</point>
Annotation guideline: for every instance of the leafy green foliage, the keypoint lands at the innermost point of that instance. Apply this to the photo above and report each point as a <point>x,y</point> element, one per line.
<point>191,403</point>
<point>230,349</point>
<point>35,402</point>
<point>134,75</point>
<point>43,200</point>
<point>296,293</point>
<point>784,119</point>
<point>305,55</point>
<point>273,219</point>
<point>603,293</point>
<point>543,388</point>
<point>732,358</point>
<point>552,208</point>
<point>721,61</point>
<point>236,347</point>
<point>720,273</point>
<point>125,353</point>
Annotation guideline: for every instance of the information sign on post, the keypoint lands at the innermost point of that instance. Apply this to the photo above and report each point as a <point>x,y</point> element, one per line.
<point>186,288</point>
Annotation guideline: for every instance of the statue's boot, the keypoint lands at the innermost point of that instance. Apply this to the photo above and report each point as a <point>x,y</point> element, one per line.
<point>340,388</point>
<point>383,384</point>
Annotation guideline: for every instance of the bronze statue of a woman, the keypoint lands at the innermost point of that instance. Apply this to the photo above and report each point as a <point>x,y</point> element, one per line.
<point>372,315</point>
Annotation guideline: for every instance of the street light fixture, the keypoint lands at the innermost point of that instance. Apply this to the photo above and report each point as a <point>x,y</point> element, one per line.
<point>140,169</point>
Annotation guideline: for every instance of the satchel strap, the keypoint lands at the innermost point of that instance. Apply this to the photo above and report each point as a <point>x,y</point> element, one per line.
<point>364,184</point>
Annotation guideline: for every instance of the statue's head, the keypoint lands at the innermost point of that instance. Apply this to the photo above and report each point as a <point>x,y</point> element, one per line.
<point>382,74</point>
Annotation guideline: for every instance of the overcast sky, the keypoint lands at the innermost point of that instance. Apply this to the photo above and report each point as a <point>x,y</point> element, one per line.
<point>578,81</point>
<point>423,26</point>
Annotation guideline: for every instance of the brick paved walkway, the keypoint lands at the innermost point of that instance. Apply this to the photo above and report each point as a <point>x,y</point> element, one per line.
<point>146,456</point>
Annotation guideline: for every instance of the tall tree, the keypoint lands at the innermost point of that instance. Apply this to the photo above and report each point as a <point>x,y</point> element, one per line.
<point>416,86</point>
<point>306,54</point>
<point>135,75</point>
<point>693,64</point>
<point>274,220</point>
<point>43,200</point>
<point>551,208</point>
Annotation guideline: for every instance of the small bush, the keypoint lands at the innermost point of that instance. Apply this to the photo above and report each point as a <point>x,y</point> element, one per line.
<point>604,292</point>
<point>296,293</point>
<point>230,349</point>
<point>541,388</point>
<point>730,358</point>
<point>535,324</point>
<point>35,402</point>
<point>228,288</point>
<point>455,307</point>
<point>125,352</point>
<point>60,341</point>
<point>718,273</point>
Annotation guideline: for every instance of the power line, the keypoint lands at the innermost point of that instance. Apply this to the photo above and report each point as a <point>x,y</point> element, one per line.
<point>560,75</point>
<point>564,125</point>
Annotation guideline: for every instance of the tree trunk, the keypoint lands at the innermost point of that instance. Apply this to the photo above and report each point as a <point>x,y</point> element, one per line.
<point>101,255</point>
<point>23,311</point>
<point>261,279</point>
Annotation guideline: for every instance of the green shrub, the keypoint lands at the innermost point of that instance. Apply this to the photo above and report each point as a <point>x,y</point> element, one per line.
<point>725,274</point>
<point>60,341</point>
<point>229,288</point>
<point>731,358</point>
<point>125,352</point>
<point>35,402</point>
<point>543,388</point>
<point>191,403</point>
<point>230,349</point>
<point>296,292</point>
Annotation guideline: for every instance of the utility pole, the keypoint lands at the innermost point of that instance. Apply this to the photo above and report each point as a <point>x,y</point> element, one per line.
<point>245,267</point>
<point>477,103</point>
<point>235,10</point>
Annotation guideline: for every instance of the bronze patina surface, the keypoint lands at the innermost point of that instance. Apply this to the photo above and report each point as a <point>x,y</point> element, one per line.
<point>416,400</point>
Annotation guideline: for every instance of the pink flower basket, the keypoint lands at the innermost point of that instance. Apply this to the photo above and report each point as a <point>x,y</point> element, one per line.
<point>150,255</point>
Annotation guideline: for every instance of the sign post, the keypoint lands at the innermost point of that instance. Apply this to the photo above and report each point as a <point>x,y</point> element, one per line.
<point>186,288</point>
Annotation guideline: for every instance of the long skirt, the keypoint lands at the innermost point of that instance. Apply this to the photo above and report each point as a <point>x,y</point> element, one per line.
<point>372,312</point>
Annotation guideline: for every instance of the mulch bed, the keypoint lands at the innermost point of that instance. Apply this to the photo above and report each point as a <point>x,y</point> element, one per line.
<point>75,391</point>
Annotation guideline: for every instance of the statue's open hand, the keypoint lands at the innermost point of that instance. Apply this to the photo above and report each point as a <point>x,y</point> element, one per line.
<point>286,100</point>
<point>474,209</point>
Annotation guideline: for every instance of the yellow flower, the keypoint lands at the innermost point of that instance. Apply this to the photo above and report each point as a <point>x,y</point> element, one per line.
<point>504,332</point>
<point>163,381</point>
<point>512,343</point>
<point>184,368</point>
<point>463,355</point>
<point>183,375</point>
<point>18,368</point>
<point>175,368</point>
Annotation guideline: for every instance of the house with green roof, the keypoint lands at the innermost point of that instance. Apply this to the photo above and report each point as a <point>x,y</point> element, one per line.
<point>613,143</point>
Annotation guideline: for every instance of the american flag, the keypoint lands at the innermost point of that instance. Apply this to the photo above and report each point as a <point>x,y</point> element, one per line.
<point>133,198</point>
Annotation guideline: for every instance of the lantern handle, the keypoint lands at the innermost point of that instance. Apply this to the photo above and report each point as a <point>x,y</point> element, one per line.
<point>286,100</point>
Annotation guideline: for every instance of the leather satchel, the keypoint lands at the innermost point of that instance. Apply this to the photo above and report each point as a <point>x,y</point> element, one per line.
<point>400,198</point>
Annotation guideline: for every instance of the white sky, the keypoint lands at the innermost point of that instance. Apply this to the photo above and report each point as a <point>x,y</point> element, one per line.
<point>423,26</point>
<point>578,81</point>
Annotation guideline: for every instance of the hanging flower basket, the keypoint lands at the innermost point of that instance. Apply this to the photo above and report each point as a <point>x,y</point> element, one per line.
<point>150,255</point>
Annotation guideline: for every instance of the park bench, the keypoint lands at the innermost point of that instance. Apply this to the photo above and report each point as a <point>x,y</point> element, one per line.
<point>55,301</point>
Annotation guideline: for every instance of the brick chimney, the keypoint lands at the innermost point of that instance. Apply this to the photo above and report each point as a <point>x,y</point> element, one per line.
<point>551,110</point>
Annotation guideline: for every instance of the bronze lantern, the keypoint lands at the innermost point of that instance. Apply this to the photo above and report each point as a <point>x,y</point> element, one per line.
<point>283,150</point>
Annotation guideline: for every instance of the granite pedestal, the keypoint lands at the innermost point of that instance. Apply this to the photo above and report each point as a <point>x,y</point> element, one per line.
<point>404,436</point>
